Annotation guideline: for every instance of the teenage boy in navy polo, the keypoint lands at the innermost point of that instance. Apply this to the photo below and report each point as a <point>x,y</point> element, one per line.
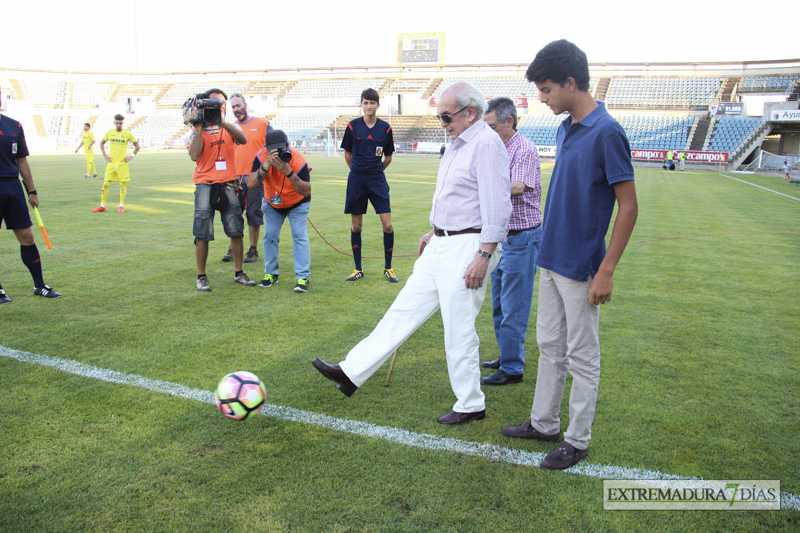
<point>368,146</point>
<point>592,171</point>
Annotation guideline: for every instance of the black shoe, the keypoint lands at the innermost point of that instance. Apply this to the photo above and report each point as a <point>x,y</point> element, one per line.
<point>229,256</point>
<point>335,374</point>
<point>526,431</point>
<point>46,291</point>
<point>4,299</point>
<point>269,280</point>
<point>564,457</point>
<point>492,364</point>
<point>501,378</point>
<point>454,418</point>
<point>302,285</point>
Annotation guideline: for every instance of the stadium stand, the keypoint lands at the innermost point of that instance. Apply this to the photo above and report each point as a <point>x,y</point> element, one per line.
<point>660,112</point>
<point>267,87</point>
<point>767,83</point>
<point>305,125</point>
<point>45,93</point>
<point>178,93</point>
<point>493,87</point>
<point>158,129</point>
<point>333,88</point>
<point>89,94</point>
<point>409,86</point>
<point>52,125</point>
<point>662,92</point>
<point>657,133</point>
<point>540,129</point>
<point>729,132</point>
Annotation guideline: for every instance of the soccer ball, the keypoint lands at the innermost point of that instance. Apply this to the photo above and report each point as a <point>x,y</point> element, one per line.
<point>239,395</point>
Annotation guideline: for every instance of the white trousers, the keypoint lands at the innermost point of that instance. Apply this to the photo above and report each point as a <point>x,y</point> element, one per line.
<point>436,283</point>
<point>567,333</point>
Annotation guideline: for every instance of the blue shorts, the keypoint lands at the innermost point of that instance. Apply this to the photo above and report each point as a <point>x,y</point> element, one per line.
<point>12,205</point>
<point>232,220</point>
<point>363,187</point>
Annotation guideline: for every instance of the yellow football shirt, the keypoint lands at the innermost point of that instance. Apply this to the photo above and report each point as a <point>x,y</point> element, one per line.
<point>119,144</point>
<point>88,139</point>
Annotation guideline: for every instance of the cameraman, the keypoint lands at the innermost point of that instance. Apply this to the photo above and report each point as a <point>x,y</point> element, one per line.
<point>285,176</point>
<point>212,148</point>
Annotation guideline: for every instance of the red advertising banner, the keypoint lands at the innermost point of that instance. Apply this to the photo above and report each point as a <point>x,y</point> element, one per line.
<point>691,156</point>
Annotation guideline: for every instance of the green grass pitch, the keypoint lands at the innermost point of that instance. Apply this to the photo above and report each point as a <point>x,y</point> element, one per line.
<point>700,368</point>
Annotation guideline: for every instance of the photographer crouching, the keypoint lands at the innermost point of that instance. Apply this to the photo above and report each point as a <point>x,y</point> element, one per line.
<point>212,149</point>
<point>286,179</point>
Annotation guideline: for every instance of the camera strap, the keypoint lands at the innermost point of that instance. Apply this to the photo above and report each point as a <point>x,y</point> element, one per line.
<point>219,164</point>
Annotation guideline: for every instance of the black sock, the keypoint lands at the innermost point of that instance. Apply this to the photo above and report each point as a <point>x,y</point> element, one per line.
<point>238,272</point>
<point>355,241</point>
<point>30,257</point>
<point>200,276</point>
<point>388,247</point>
<point>253,248</point>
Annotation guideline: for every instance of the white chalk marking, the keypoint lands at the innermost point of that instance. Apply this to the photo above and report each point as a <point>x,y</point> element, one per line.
<point>760,187</point>
<point>491,452</point>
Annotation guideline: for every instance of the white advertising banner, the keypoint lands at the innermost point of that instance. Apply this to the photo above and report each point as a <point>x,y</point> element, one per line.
<point>784,115</point>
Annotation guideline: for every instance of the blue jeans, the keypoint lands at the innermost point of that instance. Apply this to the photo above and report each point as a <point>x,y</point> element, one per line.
<point>512,294</point>
<point>273,221</point>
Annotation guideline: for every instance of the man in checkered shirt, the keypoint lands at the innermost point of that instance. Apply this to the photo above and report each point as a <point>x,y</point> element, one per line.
<point>512,280</point>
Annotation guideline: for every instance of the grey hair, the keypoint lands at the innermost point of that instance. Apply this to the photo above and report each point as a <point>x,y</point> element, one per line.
<point>467,95</point>
<point>503,108</point>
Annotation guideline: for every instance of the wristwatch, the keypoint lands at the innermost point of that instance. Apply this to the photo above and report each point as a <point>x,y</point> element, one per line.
<point>484,254</point>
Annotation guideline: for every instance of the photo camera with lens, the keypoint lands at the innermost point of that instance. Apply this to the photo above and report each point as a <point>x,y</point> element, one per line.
<point>277,140</point>
<point>208,110</point>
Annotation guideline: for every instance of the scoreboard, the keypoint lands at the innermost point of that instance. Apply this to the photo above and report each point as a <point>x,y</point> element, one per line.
<point>420,48</point>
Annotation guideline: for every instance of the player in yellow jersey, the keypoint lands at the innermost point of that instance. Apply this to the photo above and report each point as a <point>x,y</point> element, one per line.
<point>117,169</point>
<point>87,141</point>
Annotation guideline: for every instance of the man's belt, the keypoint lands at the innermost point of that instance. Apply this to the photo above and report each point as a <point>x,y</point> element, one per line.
<point>444,233</point>
<point>515,231</point>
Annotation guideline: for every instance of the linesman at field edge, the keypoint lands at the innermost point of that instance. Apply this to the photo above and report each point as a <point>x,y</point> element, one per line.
<point>13,163</point>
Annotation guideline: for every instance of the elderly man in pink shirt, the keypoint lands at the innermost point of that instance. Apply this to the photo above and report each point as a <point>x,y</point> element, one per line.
<point>470,212</point>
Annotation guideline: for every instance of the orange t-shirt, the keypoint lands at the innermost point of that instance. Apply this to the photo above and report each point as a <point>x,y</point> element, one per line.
<point>277,184</point>
<point>255,130</point>
<point>216,148</point>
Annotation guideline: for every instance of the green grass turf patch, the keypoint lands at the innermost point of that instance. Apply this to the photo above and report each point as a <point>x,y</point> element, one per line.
<point>700,368</point>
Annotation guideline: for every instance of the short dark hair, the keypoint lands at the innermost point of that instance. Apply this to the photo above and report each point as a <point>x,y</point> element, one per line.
<point>558,61</point>
<point>87,124</point>
<point>503,108</point>
<point>220,91</point>
<point>118,117</point>
<point>370,94</point>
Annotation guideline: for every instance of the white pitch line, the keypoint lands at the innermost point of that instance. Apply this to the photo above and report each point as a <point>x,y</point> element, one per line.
<point>760,187</point>
<point>491,452</point>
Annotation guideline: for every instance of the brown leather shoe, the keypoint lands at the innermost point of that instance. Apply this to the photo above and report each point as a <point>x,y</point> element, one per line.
<point>526,431</point>
<point>335,374</point>
<point>564,457</point>
<point>452,418</point>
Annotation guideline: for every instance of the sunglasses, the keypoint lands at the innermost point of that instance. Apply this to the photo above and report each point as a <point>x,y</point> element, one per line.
<point>447,118</point>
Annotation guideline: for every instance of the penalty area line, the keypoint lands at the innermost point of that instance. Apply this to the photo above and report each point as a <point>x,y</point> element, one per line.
<point>491,452</point>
